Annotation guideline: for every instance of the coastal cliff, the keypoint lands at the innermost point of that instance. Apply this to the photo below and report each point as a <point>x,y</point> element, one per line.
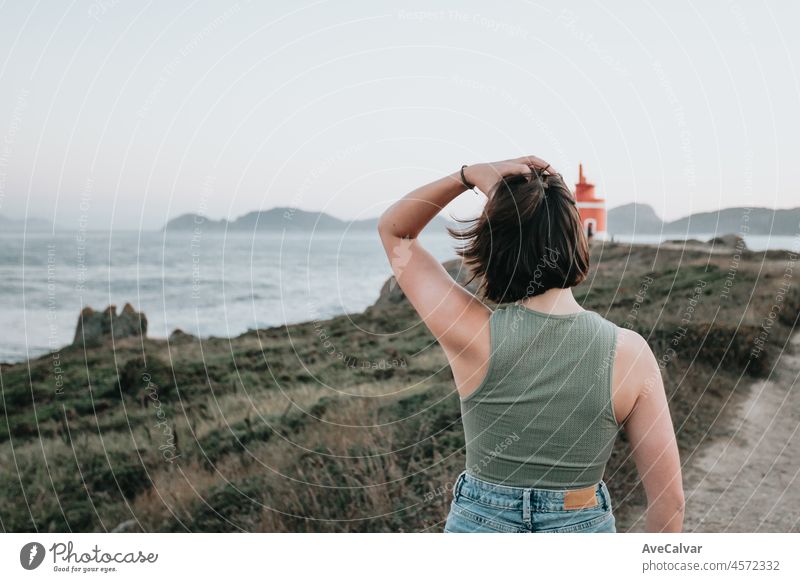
<point>351,423</point>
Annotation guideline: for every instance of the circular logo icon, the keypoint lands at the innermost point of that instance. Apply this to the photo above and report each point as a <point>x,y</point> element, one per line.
<point>31,555</point>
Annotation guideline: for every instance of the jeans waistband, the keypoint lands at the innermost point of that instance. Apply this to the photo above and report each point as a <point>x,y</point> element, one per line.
<point>531,498</point>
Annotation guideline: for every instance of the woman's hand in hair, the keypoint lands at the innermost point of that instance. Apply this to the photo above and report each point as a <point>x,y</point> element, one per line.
<point>535,163</point>
<point>486,176</point>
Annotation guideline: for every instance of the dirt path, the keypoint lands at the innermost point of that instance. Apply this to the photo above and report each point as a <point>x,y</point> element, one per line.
<point>750,482</point>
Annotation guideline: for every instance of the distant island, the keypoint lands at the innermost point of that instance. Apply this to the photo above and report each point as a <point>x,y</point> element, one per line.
<point>278,220</point>
<point>31,224</point>
<point>635,218</point>
<point>627,219</point>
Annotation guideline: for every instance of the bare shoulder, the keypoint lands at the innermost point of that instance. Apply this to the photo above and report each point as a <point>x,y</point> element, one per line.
<point>632,348</point>
<point>634,362</point>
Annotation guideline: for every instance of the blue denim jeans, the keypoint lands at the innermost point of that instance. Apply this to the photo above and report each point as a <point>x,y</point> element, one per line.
<point>482,507</point>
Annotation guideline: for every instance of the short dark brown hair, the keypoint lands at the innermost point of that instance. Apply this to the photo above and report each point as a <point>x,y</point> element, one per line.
<point>528,239</point>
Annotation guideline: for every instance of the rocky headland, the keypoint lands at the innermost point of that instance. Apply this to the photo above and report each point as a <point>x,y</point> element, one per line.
<point>351,423</point>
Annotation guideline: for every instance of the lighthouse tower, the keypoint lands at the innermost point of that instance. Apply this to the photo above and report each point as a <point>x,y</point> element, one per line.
<point>591,208</point>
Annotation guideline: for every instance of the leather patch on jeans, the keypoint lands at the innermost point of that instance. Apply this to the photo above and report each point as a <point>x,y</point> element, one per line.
<point>580,498</point>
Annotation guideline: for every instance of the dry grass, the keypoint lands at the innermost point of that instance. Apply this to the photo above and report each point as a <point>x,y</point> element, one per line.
<point>275,434</point>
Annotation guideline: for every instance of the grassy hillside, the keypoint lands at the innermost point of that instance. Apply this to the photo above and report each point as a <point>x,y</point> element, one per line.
<point>348,424</point>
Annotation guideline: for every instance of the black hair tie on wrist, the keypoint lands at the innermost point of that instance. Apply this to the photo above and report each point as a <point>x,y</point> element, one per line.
<point>464,180</point>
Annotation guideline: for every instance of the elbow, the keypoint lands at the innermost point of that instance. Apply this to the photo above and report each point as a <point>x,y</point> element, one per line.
<point>674,494</point>
<point>665,514</point>
<point>672,500</point>
<point>666,492</point>
<point>382,224</point>
<point>392,226</point>
<point>385,227</point>
<point>679,502</point>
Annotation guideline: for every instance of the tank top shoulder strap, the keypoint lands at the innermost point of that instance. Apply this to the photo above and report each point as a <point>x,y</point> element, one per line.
<point>607,343</point>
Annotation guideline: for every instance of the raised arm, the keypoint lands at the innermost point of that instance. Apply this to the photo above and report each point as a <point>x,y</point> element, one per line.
<point>456,318</point>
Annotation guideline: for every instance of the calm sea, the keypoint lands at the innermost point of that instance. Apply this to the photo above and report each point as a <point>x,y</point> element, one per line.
<point>217,285</point>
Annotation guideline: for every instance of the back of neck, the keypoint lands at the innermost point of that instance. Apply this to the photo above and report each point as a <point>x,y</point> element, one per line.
<point>554,301</point>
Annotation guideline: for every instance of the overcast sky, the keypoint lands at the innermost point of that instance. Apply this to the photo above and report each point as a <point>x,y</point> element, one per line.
<point>126,113</point>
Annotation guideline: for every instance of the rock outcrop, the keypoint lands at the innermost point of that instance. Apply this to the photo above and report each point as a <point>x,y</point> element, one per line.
<point>97,327</point>
<point>181,337</point>
<point>729,240</point>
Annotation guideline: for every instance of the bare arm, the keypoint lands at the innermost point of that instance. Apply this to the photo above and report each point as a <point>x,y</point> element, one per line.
<point>653,445</point>
<point>457,318</point>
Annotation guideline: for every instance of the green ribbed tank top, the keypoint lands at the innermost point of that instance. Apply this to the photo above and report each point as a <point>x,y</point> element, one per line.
<point>543,415</point>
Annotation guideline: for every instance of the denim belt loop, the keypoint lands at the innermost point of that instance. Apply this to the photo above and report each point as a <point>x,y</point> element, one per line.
<point>458,485</point>
<point>526,506</point>
<point>605,496</point>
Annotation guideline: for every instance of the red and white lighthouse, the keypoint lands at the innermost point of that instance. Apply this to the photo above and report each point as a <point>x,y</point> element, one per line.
<point>591,208</point>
